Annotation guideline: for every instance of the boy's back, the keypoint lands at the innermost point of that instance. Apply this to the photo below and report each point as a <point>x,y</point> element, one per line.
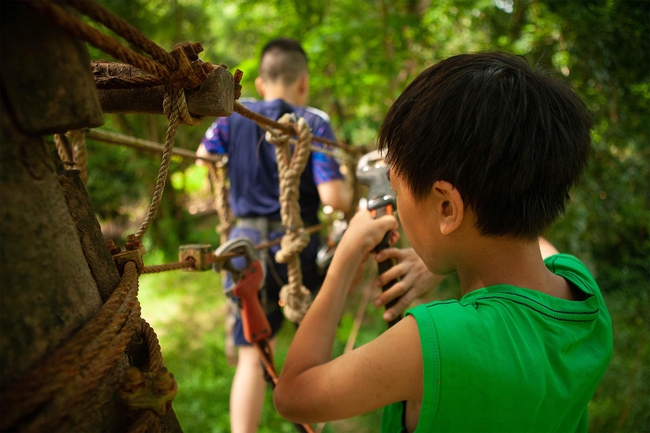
<point>507,358</point>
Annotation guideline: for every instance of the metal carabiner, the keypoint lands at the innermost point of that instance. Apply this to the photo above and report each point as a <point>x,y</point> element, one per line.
<point>248,282</point>
<point>245,248</point>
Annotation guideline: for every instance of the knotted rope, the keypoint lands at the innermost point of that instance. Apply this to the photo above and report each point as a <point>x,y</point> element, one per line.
<point>175,109</point>
<point>65,377</point>
<point>293,296</point>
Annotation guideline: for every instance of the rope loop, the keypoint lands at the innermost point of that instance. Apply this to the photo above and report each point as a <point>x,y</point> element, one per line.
<point>175,104</point>
<point>295,298</point>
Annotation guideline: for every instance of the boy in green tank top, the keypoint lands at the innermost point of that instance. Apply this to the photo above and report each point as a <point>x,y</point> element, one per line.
<point>483,151</point>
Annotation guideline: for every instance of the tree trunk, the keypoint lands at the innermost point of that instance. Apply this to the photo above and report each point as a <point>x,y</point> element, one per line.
<point>55,269</point>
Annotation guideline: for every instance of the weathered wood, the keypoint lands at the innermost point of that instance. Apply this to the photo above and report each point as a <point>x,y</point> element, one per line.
<point>47,288</point>
<point>51,249</point>
<point>89,232</point>
<point>214,97</point>
<point>45,97</point>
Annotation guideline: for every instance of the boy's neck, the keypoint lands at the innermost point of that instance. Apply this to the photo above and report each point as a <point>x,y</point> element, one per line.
<point>499,260</point>
<point>290,94</point>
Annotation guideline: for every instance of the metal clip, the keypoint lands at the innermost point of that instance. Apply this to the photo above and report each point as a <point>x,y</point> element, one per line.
<point>244,247</point>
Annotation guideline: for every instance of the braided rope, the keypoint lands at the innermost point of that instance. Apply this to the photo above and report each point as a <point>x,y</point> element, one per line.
<point>73,152</point>
<point>125,30</point>
<point>295,297</point>
<point>148,421</point>
<point>218,177</point>
<point>64,148</point>
<point>80,30</point>
<point>88,379</point>
<point>265,123</point>
<point>89,344</point>
<point>187,264</point>
<point>78,139</point>
<point>175,108</point>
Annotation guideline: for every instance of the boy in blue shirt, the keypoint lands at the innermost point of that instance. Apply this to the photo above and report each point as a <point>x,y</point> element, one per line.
<point>283,83</point>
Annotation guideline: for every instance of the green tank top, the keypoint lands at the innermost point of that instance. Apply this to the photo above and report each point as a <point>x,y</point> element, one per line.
<point>510,359</point>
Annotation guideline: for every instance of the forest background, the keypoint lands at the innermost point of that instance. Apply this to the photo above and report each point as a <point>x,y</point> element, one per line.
<point>362,54</point>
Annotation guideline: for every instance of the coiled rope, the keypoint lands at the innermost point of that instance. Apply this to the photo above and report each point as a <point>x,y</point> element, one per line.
<point>62,380</point>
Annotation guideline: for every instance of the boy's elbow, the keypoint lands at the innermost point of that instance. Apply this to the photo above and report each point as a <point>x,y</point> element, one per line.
<point>290,404</point>
<point>283,403</point>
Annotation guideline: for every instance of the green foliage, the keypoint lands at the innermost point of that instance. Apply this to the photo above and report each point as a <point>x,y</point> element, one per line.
<point>362,55</point>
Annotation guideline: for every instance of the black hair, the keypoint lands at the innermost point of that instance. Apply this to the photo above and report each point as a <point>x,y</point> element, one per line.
<point>283,59</point>
<point>510,138</point>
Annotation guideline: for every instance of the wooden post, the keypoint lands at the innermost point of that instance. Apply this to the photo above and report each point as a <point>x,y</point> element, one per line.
<point>55,271</point>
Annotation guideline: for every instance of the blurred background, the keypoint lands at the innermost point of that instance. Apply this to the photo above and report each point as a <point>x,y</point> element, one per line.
<point>362,54</point>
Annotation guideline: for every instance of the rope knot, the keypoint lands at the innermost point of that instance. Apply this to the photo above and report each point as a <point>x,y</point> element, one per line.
<point>292,243</point>
<point>294,296</point>
<point>154,390</point>
<point>295,302</point>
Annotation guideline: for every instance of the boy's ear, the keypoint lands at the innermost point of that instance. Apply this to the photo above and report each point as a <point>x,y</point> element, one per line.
<point>450,208</point>
<point>259,86</point>
<point>303,86</point>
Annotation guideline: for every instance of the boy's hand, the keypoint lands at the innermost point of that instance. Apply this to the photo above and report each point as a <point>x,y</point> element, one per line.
<point>415,280</point>
<point>364,233</point>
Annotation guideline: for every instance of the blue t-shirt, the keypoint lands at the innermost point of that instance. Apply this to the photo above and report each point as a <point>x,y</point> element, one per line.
<point>253,171</point>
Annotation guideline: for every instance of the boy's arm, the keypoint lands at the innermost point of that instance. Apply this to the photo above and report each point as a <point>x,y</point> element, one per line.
<point>335,193</point>
<point>201,151</point>
<point>313,387</point>
<point>415,280</point>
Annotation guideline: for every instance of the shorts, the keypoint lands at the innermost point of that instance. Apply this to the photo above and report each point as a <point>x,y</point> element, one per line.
<point>270,292</point>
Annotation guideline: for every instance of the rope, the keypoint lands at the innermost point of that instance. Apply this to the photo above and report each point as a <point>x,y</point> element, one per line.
<point>63,148</point>
<point>288,129</point>
<point>76,367</point>
<point>150,146</point>
<point>127,82</point>
<point>78,139</point>
<point>189,263</point>
<point>80,30</point>
<point>73,152</point>
<point>218,177</point>
<point>154,269</point>
<point>126,30</point>
<point>293,296</point>
<point>175,108</point>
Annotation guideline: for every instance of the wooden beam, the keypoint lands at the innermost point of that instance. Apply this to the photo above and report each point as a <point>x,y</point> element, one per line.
<point>213,98</point>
